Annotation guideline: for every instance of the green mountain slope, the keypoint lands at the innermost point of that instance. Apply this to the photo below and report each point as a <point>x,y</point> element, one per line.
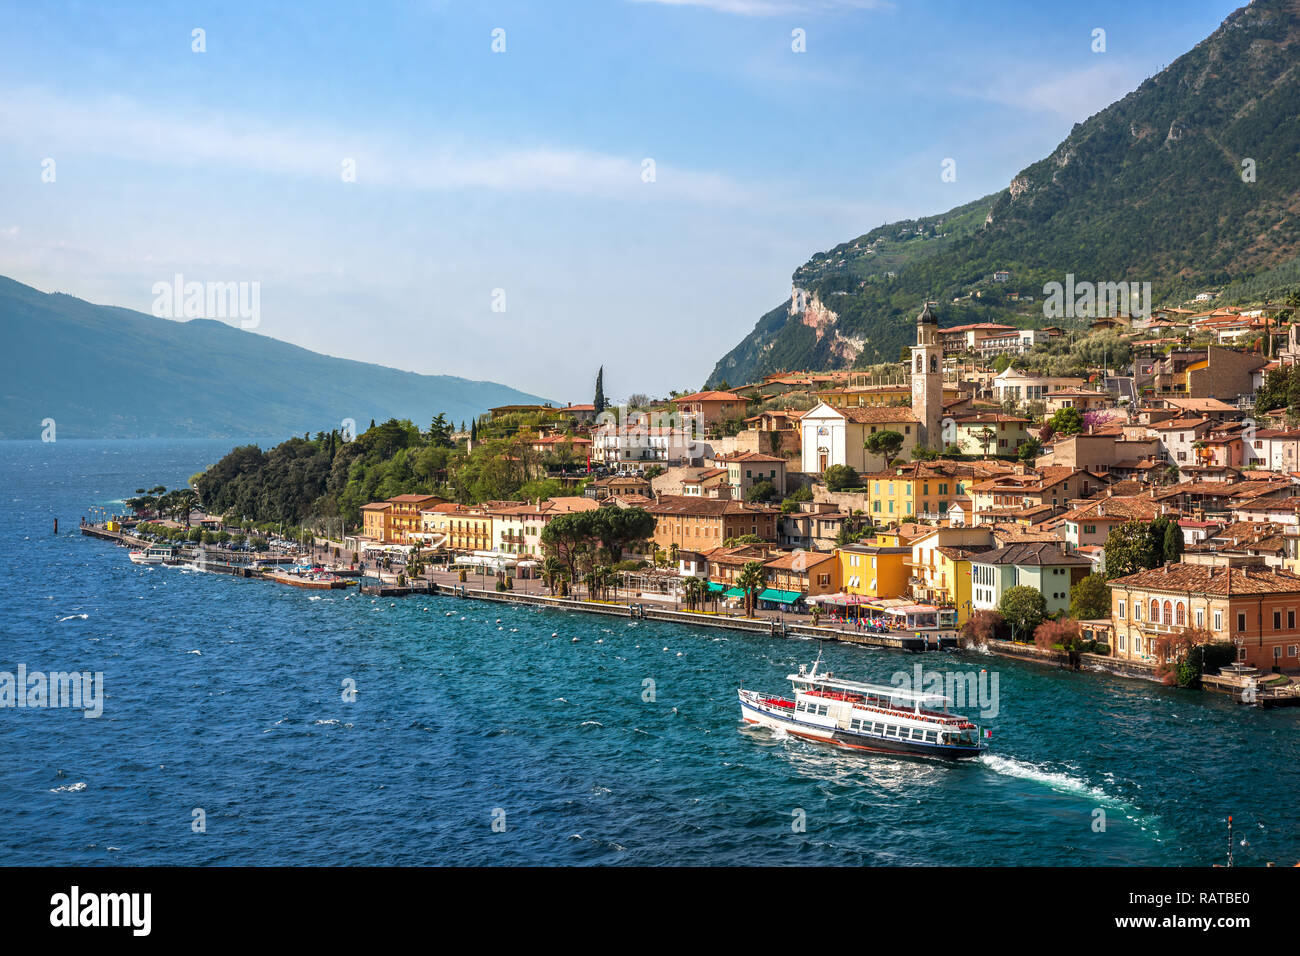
<point>104,372</point>
<point>1150,189</point>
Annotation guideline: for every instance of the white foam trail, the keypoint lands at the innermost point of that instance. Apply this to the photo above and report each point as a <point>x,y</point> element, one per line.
<point>1061,782</point>
<point>70,788</point>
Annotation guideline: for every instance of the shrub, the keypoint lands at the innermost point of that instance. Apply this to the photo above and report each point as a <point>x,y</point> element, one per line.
<point>839,477</point>
<point>982,627</point>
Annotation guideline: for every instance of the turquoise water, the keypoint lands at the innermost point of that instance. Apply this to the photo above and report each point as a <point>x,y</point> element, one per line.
<point>226,695</point>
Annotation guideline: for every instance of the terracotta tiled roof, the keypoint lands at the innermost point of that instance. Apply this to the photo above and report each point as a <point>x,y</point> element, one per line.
<point>879,414</point>
<point>1209,579</point>
<point>709,397</point>
<point>712,507</point>
<point>1117,507</point>
<point>798,561</point>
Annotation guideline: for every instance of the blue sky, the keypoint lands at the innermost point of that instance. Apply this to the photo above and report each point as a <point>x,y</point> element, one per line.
<point>522,170</point>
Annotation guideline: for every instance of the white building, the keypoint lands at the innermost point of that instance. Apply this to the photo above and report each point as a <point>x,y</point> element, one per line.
<point>640,446</point>
<point>837,436</point>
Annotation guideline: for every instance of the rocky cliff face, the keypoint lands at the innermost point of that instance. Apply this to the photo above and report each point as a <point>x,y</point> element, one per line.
<point>1191,181</point>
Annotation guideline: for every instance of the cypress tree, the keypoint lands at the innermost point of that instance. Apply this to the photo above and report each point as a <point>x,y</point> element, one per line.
<point>1173,543</point>
<point>599,401</point>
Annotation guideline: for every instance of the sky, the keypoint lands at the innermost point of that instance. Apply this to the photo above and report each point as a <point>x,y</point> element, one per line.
<point>626,183</point>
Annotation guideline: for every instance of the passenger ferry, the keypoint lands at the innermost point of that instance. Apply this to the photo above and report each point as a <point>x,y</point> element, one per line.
<point>865,717</point>
<point>154,555</point>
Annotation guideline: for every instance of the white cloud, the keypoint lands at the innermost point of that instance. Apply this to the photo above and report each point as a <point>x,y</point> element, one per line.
<point>773,8</point>
<point>127,129</point>
<point>1074,96</point>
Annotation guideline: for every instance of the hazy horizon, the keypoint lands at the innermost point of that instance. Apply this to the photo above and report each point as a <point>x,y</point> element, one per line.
<point>519,176</point>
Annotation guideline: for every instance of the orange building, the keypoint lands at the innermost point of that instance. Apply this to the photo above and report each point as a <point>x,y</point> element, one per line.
<point>699,524</point>
<point>1256,609</point>
<point>711,408</point>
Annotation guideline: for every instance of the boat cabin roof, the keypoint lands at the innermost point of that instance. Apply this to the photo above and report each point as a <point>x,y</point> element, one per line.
<point>875,690</point>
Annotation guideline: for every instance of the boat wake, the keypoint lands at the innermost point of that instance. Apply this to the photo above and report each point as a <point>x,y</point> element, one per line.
<point>1072,786</point>
<point>1061,782</point>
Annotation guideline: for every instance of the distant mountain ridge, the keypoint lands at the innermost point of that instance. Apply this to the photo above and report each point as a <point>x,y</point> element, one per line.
<point>1189,182</point>
<point>106,372</point>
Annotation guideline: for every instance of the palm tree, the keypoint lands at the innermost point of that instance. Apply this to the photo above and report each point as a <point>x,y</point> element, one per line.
<point>693,589</point>
<point>752,579</point>
<point>552,568</point>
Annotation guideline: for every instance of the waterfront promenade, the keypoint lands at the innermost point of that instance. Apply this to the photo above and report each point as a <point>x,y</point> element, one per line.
<point>621,602</point>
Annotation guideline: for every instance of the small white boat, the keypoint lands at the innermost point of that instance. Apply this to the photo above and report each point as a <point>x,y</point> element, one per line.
<point>153,555</point>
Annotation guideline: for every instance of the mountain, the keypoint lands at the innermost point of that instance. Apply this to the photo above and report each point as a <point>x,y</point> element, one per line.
<point>104,372</point>
<point>1191,183</point>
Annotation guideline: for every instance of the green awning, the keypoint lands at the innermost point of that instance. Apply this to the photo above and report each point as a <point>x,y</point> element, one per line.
<point>780,597</point>
<point>715,587</point>
<point>735,592</point>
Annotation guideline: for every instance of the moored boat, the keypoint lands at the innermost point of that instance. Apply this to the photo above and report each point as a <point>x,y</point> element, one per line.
<point>868,717</point>
<point>155,555</point>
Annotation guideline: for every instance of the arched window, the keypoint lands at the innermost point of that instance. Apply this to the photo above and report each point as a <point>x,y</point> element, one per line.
<point>1169,613</point>
<point>934,363</point>
<point>920,366</point>
<point>1155,611</point>
<point>1181,613</point>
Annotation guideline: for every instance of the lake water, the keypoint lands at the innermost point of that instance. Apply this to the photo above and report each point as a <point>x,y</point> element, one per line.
<point>226,696</point>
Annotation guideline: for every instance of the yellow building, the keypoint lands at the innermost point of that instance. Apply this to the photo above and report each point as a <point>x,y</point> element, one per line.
<point>463,528</point>
<point>375,522</point>
<point>404,515</point>
<point>940,567</point>
<point>916,490</point>
<point>873,571</point>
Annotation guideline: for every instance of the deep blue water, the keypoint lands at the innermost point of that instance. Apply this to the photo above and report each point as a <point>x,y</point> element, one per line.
<point>458,715</point>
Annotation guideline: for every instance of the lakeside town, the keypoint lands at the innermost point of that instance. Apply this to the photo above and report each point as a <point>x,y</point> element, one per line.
<point>1142,517</point>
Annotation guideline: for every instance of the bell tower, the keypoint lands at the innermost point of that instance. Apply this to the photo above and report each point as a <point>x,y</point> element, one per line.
<point>927,380</point>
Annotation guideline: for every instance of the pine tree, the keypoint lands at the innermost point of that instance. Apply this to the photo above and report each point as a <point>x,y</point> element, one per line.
<point>599,403</point>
